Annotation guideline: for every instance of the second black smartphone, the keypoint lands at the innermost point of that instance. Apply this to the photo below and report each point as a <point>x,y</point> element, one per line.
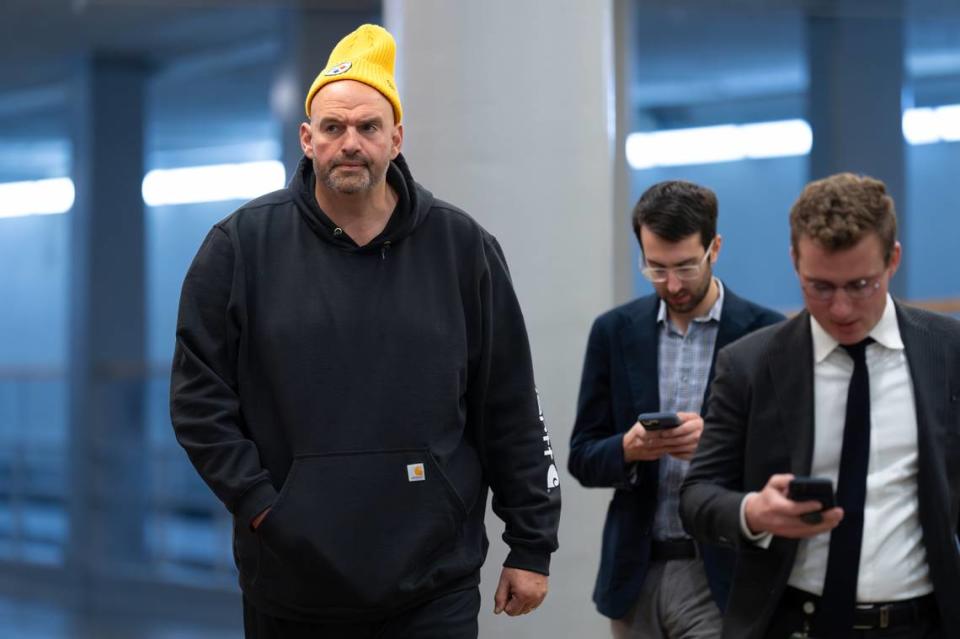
<point>812,489</point>
<point>658,421</point>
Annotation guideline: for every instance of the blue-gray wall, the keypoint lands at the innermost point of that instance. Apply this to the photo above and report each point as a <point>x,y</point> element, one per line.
<point>755,197</point>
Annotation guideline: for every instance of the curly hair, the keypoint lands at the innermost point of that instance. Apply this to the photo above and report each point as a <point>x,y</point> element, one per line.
<point>838,211</point>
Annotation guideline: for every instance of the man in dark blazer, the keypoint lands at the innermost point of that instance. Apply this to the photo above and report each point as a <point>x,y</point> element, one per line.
<point>857,389</point>
<point>656,354</point>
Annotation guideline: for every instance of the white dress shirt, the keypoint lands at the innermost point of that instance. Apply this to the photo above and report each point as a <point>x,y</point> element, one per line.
<point>893,560</point>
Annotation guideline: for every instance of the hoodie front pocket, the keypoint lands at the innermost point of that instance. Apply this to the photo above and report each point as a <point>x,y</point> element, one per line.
<point>357,531</point>
<point>246,551</point>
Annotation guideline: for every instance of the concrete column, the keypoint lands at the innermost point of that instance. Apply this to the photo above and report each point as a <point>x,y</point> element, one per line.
<point>856,66</point>
<point>107,442</point>
<point>509,113</point>
<point>625,250</point>
<point>308,37</point>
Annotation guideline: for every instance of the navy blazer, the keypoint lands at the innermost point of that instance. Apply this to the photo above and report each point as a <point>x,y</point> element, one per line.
<point>761,422</point>
<point>620,380</point>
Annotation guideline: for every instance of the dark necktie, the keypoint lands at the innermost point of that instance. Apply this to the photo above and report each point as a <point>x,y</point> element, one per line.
<point>835,616</point>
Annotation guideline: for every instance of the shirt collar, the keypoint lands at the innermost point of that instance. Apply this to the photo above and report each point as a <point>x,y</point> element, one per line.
<point>886,333</point>
<point>713,314</point>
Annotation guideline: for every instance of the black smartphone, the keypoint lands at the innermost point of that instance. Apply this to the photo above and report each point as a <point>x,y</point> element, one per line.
<point>658,421</point>
<point>812,489</point>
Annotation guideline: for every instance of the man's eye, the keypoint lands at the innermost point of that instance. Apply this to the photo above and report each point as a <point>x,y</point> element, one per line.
<point>859,285</point>
<point>822,287</point>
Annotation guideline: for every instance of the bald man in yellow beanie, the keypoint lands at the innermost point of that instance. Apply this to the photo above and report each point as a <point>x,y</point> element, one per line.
<point>352,376</point>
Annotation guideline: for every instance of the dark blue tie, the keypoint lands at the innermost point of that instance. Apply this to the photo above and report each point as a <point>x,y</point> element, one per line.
<point>835,616</point>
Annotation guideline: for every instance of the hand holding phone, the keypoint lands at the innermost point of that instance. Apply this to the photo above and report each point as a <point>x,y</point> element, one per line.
<point>776,511</point>
<point>812,489</point>
<point>657,434</point>
<point>658,421</point>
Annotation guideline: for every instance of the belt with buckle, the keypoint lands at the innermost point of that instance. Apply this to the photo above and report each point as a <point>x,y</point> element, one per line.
<point>669,549</point>
<point>871,616</point>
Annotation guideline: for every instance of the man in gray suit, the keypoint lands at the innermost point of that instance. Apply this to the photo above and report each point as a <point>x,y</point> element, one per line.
<point>858,389</point>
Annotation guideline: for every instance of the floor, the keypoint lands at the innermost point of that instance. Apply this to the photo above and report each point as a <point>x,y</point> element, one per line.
<point>36,620</point>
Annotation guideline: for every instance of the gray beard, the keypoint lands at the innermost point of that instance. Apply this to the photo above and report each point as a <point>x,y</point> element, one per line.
<point>350,185</point>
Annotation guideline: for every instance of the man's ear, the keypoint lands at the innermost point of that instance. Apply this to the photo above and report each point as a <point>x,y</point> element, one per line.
<point>396,141</point>
<point>895,254</point>
<point>715,251</point>
<point>306,136</point>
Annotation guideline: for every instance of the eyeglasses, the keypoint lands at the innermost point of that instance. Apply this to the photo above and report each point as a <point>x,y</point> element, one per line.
<point>856,290</point>
<point>659,275</point>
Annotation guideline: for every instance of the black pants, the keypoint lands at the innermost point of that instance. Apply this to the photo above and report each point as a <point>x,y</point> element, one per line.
<point>451,616</point>
<point>788,619</point>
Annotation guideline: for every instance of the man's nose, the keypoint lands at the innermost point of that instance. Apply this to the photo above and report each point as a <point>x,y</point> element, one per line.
<point>674,284</point>
<point>351,140</point>
<point>840,304</point>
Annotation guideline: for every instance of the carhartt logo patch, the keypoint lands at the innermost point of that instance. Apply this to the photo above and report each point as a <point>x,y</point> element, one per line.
<point>553,478</point>
<point>415,472</point>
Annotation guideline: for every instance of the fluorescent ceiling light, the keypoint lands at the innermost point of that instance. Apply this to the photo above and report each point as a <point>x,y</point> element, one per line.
<point>36,197</point>
<point>213,183</point>
<point>724,143</point>
<point>785,138</point>
<point>929,125</point>
<point>920,126</point>
<point>948,121</point>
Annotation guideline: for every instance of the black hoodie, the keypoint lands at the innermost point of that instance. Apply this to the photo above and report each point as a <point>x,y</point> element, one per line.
<point>370,395</point>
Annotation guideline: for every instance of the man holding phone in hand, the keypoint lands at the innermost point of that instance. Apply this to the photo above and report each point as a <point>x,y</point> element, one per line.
<point>656,353</point>
<point>857,389</point>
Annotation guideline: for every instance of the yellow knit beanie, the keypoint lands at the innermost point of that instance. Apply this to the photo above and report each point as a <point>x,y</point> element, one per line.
<point>366,55</point>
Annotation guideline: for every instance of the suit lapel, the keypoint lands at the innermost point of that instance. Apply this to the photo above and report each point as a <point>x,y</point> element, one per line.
<point>733,325</point>
<point>638,339</point>
<point>927,366</point>
<point>640,348</point>
<point>733,321</point>
<point>931,388</point>
<point>790,365</point>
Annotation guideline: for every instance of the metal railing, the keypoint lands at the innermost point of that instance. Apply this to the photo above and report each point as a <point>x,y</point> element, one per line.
<point>185,533</point>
